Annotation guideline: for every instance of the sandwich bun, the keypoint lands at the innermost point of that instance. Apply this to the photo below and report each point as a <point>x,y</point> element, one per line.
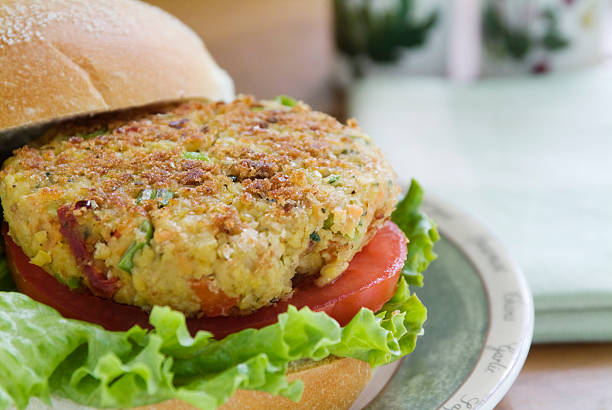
<point>332,383</point>
<point>64,58</point>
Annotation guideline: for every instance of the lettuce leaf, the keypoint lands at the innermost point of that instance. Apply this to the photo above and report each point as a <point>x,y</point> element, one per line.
<point>420,230</point>
<point>41,353</point>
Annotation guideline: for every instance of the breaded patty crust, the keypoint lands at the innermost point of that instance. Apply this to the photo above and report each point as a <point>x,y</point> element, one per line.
<point>210,208</point>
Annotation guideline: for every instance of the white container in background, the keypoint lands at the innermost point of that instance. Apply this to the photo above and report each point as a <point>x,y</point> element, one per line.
<point>466,39</point>
<point>538,36</point>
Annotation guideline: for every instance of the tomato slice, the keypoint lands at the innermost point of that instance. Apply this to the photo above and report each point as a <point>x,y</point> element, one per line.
<point>369,281</point>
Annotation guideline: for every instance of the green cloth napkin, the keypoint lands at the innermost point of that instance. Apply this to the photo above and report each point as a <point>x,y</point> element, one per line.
<point>529,156</point>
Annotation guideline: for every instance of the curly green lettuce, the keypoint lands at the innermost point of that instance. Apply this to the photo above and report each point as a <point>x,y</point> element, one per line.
<point>42,353</point>
<point>420,230</point>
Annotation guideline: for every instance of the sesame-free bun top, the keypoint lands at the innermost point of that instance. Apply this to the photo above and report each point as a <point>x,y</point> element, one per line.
<point>65,58</point>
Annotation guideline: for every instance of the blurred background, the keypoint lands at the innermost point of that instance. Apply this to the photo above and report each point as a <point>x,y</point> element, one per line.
<point>269,47</point>
<point>501,107</point>
<point>289,46</point>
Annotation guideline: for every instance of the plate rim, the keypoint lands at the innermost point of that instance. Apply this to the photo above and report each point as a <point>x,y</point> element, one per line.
<point>476,241</point>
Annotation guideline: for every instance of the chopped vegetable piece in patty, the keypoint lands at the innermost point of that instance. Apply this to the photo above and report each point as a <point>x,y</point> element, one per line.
<point>236,197</point>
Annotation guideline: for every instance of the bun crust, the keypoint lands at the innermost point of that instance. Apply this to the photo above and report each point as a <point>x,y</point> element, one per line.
<point>63,58</point>
<point>329,384</point>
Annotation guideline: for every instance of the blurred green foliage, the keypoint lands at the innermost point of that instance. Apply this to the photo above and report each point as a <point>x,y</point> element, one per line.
<point>503,39</point>
<point>365,29</point>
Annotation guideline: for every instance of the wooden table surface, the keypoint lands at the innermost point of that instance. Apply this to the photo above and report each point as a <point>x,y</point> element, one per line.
<point>273,47</point>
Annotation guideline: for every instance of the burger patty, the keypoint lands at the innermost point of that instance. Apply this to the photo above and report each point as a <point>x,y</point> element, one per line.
<point>210,208</point>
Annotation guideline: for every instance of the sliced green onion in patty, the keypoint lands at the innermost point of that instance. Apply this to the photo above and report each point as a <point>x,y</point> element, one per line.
<point>164,196</point>
<point>285,100</point>
<point>328,222</point>
<point>200,156</point>
<point>147,229</point>
<point>146,194</point>
<point>127,260</point>
<point>333,179</point>
<point>73,283</point>
<point>315,237</point>
<point>93,134</point>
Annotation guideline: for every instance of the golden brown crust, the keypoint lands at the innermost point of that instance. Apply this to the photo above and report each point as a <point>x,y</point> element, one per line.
<point>254,193</point>
<point>61,58</point>
<point>331,384</point>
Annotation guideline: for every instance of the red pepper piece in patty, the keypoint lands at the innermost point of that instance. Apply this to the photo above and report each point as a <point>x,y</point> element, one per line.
<point>99,283</point>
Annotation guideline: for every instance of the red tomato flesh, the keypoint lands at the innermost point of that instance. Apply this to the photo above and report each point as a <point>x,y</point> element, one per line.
<point>369,281</point>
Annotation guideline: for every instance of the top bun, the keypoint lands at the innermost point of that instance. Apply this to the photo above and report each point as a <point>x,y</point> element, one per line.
<point>64,58</point>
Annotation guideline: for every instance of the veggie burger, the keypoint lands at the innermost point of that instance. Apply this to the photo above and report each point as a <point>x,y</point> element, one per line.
<point>164,246</point>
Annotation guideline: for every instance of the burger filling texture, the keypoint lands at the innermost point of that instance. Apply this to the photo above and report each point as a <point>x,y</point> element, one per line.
<point>43,354</point>
<point>173,204</point>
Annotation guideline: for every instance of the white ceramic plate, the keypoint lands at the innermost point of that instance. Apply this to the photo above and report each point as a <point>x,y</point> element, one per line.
<point>479,327</point>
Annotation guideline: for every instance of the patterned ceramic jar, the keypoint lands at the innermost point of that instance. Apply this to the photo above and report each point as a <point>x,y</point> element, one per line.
<point>468,38</point>
<point>541,35</point>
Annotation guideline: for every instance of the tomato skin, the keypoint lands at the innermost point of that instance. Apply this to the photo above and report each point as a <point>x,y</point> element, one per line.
<point>376,269</point>
<point>81,305</point>
<point>369,281</point>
